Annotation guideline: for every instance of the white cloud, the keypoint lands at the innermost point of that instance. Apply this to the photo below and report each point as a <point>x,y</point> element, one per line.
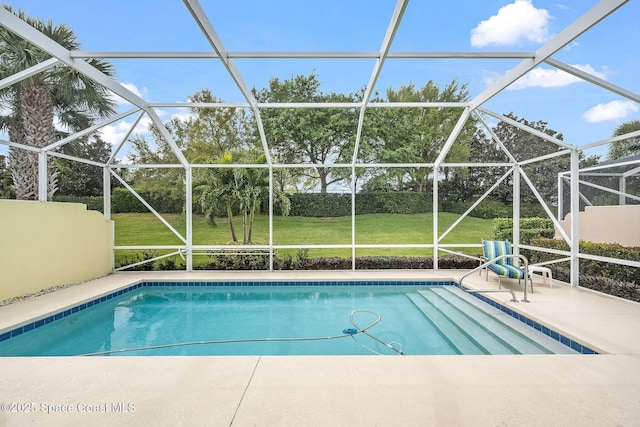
<point>552,77</point>
<point>115,133</point>
<point>183,117</point>
<point>514,23</point>
<point>490,77</point>
<point>133,88</point>
<point>611,111</point>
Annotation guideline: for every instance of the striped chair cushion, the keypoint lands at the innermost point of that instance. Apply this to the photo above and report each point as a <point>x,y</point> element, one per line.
<point>495,248</point>
<point>507,271</point>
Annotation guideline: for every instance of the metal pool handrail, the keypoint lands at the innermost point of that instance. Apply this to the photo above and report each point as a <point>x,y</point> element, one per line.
<point>492,261</point>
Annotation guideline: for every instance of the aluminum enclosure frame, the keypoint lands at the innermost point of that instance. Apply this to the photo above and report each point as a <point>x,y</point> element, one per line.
<point>475,108</point>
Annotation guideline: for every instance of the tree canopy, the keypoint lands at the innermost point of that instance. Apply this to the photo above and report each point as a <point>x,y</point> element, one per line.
<point>625,147</point>
<point>317,136</point>
<point>417,135</point>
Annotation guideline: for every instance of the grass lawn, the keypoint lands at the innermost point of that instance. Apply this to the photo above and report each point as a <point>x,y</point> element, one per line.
<point>146,229</point>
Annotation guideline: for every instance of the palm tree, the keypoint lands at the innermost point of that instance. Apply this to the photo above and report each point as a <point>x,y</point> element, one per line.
<point>236,190</point>
<point>626,147</point>
<point>59,94</point>
<point>216,189</point>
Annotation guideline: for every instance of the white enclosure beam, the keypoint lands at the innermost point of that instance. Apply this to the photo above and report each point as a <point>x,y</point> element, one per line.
<point>452,137</point>
<point>148,206</point>
<point>610,140</point>
<point>574,244</point>
<point>26,31</point>
<point>309,104</point>
<point>106,192</point>
<point>75,159</point>
<point>593,79</point>
<point>631,172</point>
<point>88,130</point>
<point>124,139</point>
<point>25,74</point>
<point>560,197</point>
<point>189,215</point>
<point>495,137</point>
<point>545,157</point>
<point>21,146</point>
<point>610,190</point>
<point>544,205</point>
<point>303,55</point>
<point>473,206</point>
<point>396,18</point>
<point>167,137</point>
<point>43,179</point>
<point>515,230</point>
<point>526,128</point>
<point>436,209</point>
<point>209,32</point>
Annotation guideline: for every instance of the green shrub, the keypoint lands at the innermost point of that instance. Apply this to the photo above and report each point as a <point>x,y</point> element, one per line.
<point>257,259</point>
<point>386,263</point>
<point>589,267</point>
<point>530,228</point>
<point>395,202</point>
<point>626,290</point>
<point>144,255</point>
<point>123,201</point>
<point>94,203</point>
<point>320,205</point>
<point>326,205</point>
<point>488,209</point>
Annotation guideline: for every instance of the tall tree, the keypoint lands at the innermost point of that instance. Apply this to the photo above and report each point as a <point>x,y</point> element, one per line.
<point>6,182</point>
<point>416,135</point>
<point>59,93</point>
<point>203,136</point>
<point>315,136</point>
<point>626,147</point>
<point>523,146</point>
<point>81,179</point>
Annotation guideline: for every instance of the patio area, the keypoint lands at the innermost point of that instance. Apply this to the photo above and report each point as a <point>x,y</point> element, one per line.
<point>342,390</point>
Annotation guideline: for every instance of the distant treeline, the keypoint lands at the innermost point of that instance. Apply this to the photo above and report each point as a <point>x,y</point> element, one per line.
<point>316,204</point>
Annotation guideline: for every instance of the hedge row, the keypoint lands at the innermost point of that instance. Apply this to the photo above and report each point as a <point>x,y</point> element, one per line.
<point>530,228</point>
<point>94,203</point>
<point>620,273</point>
<point>318,205</point>
<point>302,262</point>
<point>626,290</point>
<point>324,205</point>
<point>488,209</point>
<point>123,201</point>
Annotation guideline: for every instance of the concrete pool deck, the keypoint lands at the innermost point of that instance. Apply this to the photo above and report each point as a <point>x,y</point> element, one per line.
<point>529,390</point>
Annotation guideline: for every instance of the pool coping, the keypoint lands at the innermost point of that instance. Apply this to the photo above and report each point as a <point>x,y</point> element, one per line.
<point>523,390</point>
<point>7,333</point>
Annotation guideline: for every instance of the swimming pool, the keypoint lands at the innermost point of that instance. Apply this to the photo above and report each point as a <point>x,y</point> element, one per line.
<point>284,318</point>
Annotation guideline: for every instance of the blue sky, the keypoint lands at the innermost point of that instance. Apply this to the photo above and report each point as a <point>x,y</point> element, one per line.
<point>581,111</point>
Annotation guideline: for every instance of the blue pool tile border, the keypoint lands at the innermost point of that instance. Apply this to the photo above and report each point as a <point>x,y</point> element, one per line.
<point>576,346</point>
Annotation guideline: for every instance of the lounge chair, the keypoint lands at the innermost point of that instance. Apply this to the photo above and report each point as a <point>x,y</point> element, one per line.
<point>504,267</point>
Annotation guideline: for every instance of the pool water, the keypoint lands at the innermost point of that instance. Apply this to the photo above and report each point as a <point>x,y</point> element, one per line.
<point>284,320</point>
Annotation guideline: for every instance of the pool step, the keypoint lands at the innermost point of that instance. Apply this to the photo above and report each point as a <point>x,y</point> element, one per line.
<point>450,332</point>
<point>494,331</point>
<point>469,325</point>
<point>544,342</point>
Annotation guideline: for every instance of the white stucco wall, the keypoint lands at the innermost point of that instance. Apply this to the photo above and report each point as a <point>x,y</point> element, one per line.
<point>607,224</point>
